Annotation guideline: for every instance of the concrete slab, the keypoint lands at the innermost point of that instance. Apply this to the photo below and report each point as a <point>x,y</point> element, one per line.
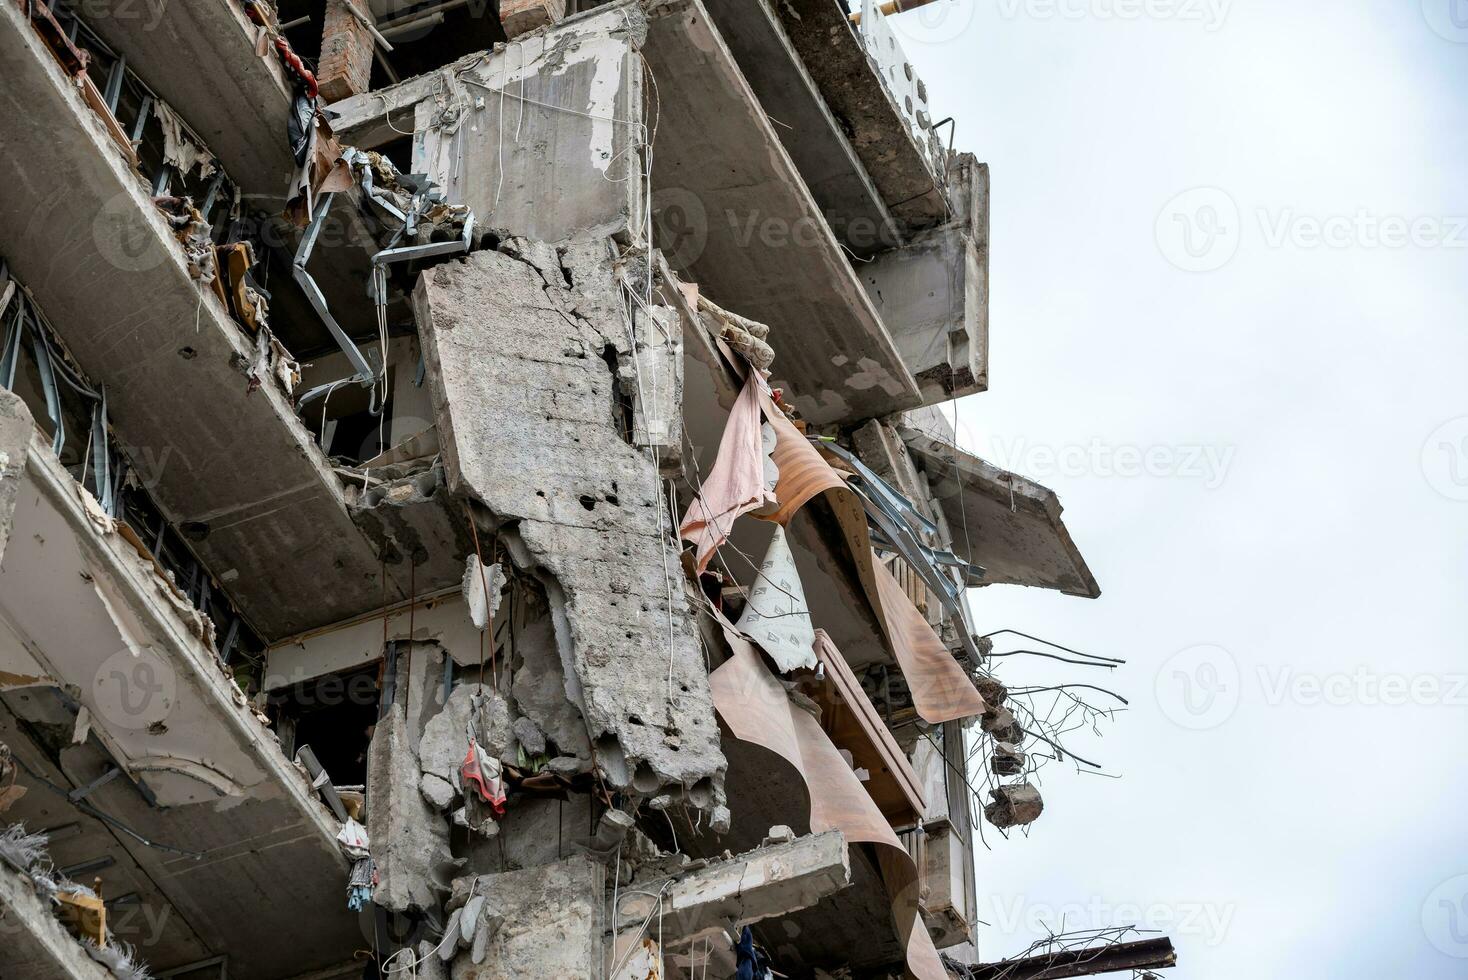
<point>766,882</point>
<point>1002,521</point>
<point>541,138</point>
<point>80,230</point>
<point>737,217</point>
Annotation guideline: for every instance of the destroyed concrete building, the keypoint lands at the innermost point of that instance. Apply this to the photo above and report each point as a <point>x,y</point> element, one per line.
<point>472,497</point>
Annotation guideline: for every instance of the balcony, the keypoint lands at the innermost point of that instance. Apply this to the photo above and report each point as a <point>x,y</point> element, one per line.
<point>225,449</point>
<point>139,753</point>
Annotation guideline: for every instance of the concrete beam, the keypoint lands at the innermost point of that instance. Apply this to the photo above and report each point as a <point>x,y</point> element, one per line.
<point>810,132</point>
<point>737,218</point>
<point>80,230</point>
<point>836,57</point>
<point>769,881</point>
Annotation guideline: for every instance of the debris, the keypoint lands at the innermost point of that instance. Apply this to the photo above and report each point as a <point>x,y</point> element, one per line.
<point>180,149</point>
<point>482,587</point>
<point>777,616</point>
<point>193,233</point>
<point>1012,806</point>
<point>1007,759</point>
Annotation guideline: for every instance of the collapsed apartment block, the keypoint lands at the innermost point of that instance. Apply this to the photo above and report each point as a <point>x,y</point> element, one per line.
<point>473,502</point>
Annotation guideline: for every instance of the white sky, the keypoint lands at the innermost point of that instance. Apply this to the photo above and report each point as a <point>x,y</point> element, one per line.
<point>1300,834</point>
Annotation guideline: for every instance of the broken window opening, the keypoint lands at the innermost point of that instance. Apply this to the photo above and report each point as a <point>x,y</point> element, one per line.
<point>624,409</point>
<point>335,715</point>
<point>137,113</point>
<point>36,365</point>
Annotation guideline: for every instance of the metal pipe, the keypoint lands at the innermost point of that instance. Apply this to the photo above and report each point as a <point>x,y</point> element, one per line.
<point>366,22</point>
<point>432,20</point>
<point>408,20</point>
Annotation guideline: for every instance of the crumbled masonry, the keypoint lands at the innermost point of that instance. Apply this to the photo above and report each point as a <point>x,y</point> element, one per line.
<point>508,340</point>
<point>474,500</point>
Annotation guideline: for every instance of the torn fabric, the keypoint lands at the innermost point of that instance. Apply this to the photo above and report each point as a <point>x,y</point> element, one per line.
<point>777,616</point>
<point>941,690</point>
<point>736,484</point>
<point>754,705</point>
<point>179,148</point>
<point>324,172</point>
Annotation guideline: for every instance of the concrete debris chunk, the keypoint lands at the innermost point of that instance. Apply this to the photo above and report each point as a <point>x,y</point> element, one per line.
<point>1007,759</point>
<point>1014,806</point>
<point>522,367</point>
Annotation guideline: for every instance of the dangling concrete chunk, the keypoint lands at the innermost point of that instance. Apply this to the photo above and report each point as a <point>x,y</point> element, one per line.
<point>1014,806</point>
<point>777,616</point>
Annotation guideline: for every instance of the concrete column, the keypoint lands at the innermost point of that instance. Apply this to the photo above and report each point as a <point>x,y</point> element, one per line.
<point>346,51</point>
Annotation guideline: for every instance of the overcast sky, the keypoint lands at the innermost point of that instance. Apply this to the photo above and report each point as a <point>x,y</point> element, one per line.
<point>1229,280</point>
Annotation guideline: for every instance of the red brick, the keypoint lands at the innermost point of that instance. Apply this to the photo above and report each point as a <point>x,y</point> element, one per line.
<point>345,68</point>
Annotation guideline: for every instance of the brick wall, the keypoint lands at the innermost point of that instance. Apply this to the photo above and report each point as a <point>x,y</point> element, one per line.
<point>346,52</point>
<point>519,16</point>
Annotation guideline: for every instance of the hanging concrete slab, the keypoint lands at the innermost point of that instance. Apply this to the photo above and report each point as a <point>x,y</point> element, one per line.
<point>1000,520</point>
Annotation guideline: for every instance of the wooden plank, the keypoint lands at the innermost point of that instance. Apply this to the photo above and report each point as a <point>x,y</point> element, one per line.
<point>854,724</point>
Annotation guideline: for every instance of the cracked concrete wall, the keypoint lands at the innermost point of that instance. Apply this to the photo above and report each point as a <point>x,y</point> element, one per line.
<point>522,347</point>
<point>410,840</point>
